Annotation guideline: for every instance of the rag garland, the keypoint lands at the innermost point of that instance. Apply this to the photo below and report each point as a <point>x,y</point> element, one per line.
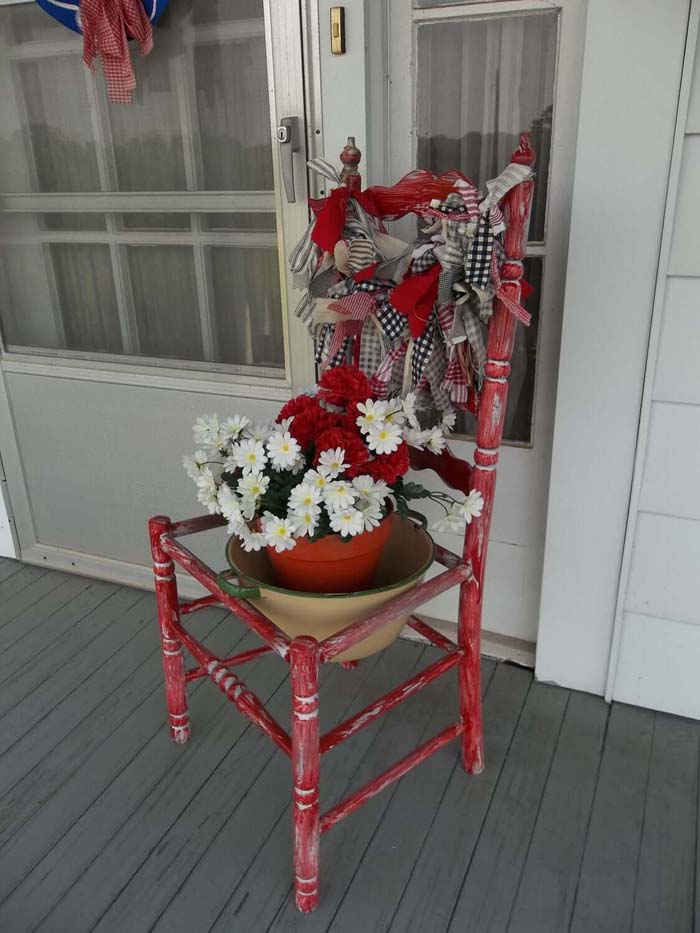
<point>107,25</point>
<point>410,316</point>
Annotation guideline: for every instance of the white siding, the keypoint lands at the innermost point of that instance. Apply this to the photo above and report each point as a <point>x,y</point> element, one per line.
<point>659,624</point>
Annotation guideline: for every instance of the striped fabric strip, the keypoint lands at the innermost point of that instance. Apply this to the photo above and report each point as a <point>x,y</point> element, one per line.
<point>324,168</point>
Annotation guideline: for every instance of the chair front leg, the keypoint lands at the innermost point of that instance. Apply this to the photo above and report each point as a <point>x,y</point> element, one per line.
<point>303,659</point>
<point>168,610</point>
<point>470,678</point>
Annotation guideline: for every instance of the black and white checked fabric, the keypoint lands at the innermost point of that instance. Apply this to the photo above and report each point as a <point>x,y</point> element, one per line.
<point>424,261</point>
<point>371,348</point>
<point>421,352</point>
<point>392,322</point>
<point>477,266</point>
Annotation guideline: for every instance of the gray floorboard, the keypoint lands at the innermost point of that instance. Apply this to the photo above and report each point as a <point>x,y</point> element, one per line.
<point>585,819</point>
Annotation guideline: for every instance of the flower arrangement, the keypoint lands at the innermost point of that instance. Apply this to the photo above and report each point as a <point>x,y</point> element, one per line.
<point>333,462</point>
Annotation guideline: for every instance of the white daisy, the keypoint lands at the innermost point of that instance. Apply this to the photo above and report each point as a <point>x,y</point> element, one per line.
<point>194,464</point>
<point>253,485</point>
<point>303,497</point>
<point>305,521</point>
<point>436,440</point>
<point>471,507</point>
<point>230,506</point>
<point>283,449</point>
<point>316,479</point>
<point>251,540</point>
<point>448,523</point>
<point>384,438</point>
<point>370,490</point>
<point>339,495</point>
<point>207,490</point>
<point>416,438</point>
<point>331,463</point>
<point>448,420</point>
<point>260,432</point>
<point>394,411</point>
<point>348,522</point>
<point>248,455</point>
<point>207,431</point>
<point>232,428</point>
<point>372,413</point>
<point>371,512</point>
<point>409,410</point>
<point>279,534</point>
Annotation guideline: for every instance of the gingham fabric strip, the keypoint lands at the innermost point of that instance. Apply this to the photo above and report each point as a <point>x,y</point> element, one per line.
<point>422,350</point>
<point>379,383</point>
<point>105,24</point>
<point>371,346</point>
<point>477,265</point>
<point>498,187</point>
<point>515,309</point>
<point>325,169</point>
<point>392,322</point>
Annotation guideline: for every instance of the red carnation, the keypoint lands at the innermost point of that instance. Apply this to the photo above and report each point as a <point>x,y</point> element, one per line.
<point>343,384</point>
<point>356,454</point>
<point>389,466</point>
<point>310,423</point>
<point>296,405</point>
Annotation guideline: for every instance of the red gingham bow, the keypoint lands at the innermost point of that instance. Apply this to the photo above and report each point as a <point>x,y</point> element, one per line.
<point>105,25</point>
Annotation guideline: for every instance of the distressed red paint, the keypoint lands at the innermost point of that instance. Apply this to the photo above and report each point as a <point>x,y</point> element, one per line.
<point>306,745</point>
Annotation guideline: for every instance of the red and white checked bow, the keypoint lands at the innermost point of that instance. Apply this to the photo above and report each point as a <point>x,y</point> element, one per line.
<point>356,308</point>
<point>105,25</point>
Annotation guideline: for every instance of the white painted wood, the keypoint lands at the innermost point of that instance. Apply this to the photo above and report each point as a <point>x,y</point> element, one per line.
<point>675,192</point>
<point>693,120</point>
<point>671,483</point>
<point>606,326</point>
<point>7,544</point>
<point>658,665</point>
<point>677,377</point>
<point>664,580</point>
<point>685,251</point>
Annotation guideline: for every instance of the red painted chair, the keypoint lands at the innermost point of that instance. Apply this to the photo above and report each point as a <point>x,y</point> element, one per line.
<point>304,655</point>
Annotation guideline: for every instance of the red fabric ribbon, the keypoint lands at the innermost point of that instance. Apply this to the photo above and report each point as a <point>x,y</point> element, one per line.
<point>105,25</point>
<point>415,297</point>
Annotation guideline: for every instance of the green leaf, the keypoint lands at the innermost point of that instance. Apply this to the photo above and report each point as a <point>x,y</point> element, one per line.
<point>415,491</point>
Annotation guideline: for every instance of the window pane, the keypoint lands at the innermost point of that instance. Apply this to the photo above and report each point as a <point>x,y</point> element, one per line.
<point>165,297</point>
<point>46,134</point>
<point>59,296</point>
<point>265,223</point>
<point>247,306</point>
<point>76,221</point>
<point>521,384</point>
<point>481,82</point>
<point>165,221</point>
<point>234,126</point>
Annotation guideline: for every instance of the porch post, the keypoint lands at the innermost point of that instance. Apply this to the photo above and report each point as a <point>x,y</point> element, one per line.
<point>303,660</point>
<point>168,609</point>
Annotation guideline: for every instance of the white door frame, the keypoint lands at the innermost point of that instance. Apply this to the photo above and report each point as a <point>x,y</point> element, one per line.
<point>626,130</point>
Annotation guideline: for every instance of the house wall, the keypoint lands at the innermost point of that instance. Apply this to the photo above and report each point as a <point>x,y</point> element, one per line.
<point>658,650</point>
<point>7,544</point>
<point>627,127</point>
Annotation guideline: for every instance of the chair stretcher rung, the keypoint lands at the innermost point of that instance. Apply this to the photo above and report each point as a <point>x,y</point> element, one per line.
<point>344,730</point>
<point>396,771</point>
<point>196,672</point>
<point>427,631</point>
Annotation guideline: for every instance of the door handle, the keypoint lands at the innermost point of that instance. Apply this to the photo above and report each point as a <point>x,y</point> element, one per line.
<point>288,139</point>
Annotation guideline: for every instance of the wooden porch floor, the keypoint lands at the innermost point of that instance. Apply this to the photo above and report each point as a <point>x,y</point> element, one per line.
<point>584,820</point>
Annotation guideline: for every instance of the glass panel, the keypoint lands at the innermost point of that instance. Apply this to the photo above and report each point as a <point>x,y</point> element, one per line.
<point>481,82</point>
<point>264,223</point>
<point>46,134</point>
<point>27,22</point>
<point>166,221</point>
<point>59,296</point>
<point>164,290</point>
<point>234,128</point>
<point>247,305</point>
<point>215,11</point>
<point>77,221</point>
<point>521,384</point>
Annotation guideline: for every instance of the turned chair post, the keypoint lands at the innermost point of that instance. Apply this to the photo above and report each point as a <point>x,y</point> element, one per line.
<point>489,433</point>
<point>168,611</point>
<point>306,760</point>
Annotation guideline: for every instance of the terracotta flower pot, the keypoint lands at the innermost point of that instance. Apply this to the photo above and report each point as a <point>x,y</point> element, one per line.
<point>402,565</point>
<point>332,564</point>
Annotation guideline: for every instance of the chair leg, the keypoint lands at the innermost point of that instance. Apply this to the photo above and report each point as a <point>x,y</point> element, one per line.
<point>470,678</point>
<point>168,609</point>
<point>305,771</point>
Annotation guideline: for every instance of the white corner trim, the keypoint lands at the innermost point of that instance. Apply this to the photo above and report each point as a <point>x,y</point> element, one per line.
<point>654,337</point>
<point>7,542</point>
